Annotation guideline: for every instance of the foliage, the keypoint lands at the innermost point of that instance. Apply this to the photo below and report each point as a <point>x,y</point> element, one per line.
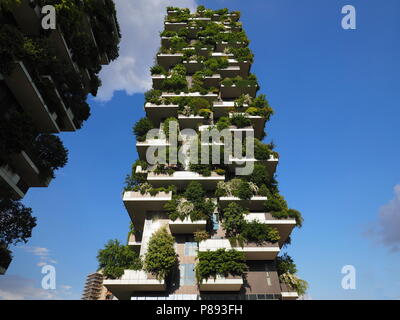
<point>51,152</point>
<point>169,124</point>
<point>200,236</point>
<point>115,258</point>
<point>223,123</point>
<point>285,264</point>
<point>240,121</point>
<point>141,128</point>
<point>242,54</point>
<point>153,96</point>
<point>278,207</point>
<point>16,222</point>
<point>160,257</point>
<point>299,285</point>
<point>220,262</point>
<point>244,190</point>
<point>17,132</point>
<point>239,82</point>
<point>233,219</point>
<point>258,232</point>
<point>136,178</point>
<point>157,69</point>
<point>5,257</point>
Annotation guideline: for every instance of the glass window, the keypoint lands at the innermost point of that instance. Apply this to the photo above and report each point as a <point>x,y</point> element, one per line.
<point>187,274</point>
<point>190,249</point>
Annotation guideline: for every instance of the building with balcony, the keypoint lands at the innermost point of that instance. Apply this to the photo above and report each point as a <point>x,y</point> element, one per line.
<point>45,78</point>
<point>210,212</point>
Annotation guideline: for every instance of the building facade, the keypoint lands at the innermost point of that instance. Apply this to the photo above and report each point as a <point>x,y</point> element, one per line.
<point>94,289</point>
<point>45,77</point>
<point>202,81</point>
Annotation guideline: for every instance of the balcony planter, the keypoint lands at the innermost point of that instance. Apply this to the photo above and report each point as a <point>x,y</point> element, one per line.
<point>168,60</point>
<point>134,280</point>
<point>186,226</point>
<point>174,26</point>
<point>26,92</point>
<point>288,293</point>
<point>220,283</point>
<point>156,113</point>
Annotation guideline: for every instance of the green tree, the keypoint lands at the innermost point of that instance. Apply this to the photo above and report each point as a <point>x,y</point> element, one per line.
<point>115,258</point>
<point>285,264</point>
<point>233,219</point>
<point>16,222</point>
<point>51,152</point>
<point>141,128</point>
<point>160,258</point>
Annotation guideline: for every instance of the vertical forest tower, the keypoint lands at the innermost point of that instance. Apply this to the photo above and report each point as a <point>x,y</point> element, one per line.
<point>202,231</point>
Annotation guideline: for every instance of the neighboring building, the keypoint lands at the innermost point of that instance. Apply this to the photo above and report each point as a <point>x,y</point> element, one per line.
<point>203,79</point>
<point>45,77</point>
<point>94,289</point>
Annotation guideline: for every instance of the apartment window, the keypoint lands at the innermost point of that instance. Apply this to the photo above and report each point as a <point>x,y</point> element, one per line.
<point>215,222</point>
<point>187,274</point>
<point>191,249</point>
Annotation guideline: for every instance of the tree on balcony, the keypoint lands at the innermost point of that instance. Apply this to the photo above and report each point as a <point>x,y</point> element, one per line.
<point>115,258</point>
<point>160,257</point>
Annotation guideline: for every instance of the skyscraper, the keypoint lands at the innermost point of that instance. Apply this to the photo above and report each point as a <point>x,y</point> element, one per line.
<point>205,229</point>
<point>45,77</point>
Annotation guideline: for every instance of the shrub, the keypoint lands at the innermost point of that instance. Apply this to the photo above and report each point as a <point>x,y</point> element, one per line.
<point>160,257</point>
<point>240,121</point>
<point>206,113</point>
<point>233,219</point>
<point>141,128</point>
<point>197,104</point>
<point>157,70</point>
<point>220,262</point>
<point>261,151</point>
<point>244,191</point>
<point>285,264</point>
<point>299,285</point>
<point>16,222</point>
<point>51,152</point>
<point>169,124</point>
<point>153,96</point>
<point>258,232</point>
<point>200,236</point>
<point>115,258</point>
<point>223,123</point>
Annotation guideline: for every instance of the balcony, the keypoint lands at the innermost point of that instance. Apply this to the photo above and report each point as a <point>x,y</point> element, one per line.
<point>182,179</point>
<point>30,99</point>
<point>233,92</point>
<point>174,26</point>
<point>224,108</point>
<point>221,46</point>
<point>244,66</point>
<point>28,18</point>
<point>209,96</point>
<point>288,293</point>
<point>138,204</point>
<point>65,113</point>
<point>192,121</point>
<point>133,280</point>
<point>134,243</point>
<point>28,170</point>
<point>57,38</point>
<point>229,283</point>
<point>284,226</point>
<point>142,147</point>
<point>252,251</point>
<point>255,204</point>
<point>192,66</point>
<point>230,72</point>
<point>158,80</point>
<point>186,226</point>
<point>167,60</point>
<point>270,164</point>
<point>212,81</point>
<point>10,180</point>
<point>157,113</point>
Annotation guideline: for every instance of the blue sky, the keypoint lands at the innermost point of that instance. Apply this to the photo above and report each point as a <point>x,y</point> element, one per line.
<point>335,93</point>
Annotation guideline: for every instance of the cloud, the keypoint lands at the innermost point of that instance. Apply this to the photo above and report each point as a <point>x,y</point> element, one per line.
<point>385,231</point>
<point>15,287</point>
<point>140,22</point>
<point>42,253</point>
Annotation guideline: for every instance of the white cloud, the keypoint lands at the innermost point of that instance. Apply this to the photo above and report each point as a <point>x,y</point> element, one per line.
<point>386,230</point>
<point>140,22</point>
<point>42,253</point>
<point>15,287</point>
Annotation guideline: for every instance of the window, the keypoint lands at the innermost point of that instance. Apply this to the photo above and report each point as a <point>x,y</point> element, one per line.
<point>191,249</point>
<point>187,274</point>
